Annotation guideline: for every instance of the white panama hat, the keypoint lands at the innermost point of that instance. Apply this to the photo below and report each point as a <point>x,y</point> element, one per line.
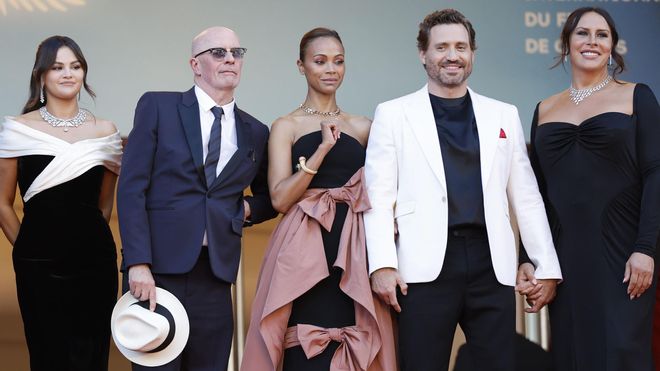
<point>150,338</point>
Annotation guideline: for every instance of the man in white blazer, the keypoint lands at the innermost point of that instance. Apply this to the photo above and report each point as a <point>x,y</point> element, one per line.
<point>444,166</point>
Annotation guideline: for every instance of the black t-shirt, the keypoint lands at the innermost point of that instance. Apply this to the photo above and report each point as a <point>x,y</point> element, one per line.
<point>459,145</point>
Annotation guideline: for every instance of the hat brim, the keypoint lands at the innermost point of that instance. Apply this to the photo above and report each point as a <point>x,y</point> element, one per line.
<point>169,353</point>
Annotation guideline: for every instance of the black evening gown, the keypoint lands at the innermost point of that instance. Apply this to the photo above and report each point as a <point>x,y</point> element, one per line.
<point>66,272</point>
<point>601,184</point>
<point>325,304</point>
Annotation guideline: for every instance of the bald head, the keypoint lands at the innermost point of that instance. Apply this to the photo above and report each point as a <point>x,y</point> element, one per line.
<point>218,75</point>
<point>214,37</point>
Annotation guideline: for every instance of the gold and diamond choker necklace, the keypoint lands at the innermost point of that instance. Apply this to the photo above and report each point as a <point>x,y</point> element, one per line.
<point>311,111</point>
<point>578,95</point>
<point>56,122</point>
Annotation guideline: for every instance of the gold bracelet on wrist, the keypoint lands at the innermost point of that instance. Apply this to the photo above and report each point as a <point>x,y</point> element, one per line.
<point>301,166</point>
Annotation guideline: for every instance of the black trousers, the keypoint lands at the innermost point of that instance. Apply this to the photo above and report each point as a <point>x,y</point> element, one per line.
<point>207,300</point>
<point>466,293</point>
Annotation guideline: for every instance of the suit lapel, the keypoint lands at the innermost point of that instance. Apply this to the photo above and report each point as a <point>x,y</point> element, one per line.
<point>488,127</point>
<point>245,149</point>
<point>189,114</point>
<point>419,116</point>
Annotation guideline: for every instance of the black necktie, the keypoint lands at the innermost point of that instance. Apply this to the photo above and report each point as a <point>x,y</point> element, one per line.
<point>214,147</point>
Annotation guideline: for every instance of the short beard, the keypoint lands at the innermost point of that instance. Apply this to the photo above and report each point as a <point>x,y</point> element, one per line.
<point>435,73</point>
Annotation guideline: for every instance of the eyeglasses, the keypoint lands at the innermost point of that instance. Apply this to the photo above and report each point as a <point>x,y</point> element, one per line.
<point>221,53</point>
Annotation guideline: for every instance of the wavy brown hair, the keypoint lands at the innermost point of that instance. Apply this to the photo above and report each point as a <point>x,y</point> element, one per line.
<point>44,60</point>
<point>444,16</point>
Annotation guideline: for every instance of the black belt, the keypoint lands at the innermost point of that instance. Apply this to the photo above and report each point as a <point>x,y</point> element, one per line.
<point>467,231</point>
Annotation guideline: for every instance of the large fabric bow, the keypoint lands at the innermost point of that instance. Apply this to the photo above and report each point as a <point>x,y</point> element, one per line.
<point>353,352</point>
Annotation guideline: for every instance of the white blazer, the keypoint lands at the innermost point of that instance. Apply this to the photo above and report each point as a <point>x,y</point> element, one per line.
<point>406,184</point>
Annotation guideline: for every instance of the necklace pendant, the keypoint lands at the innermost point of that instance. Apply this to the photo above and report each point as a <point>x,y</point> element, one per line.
<point>66,129</point>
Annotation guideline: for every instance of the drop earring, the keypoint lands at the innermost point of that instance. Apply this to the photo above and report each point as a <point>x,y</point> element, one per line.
<point>610,62</point>
<point>565,58</point>
<point>42,99</point>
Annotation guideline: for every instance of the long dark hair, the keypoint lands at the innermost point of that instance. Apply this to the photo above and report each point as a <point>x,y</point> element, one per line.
<point>315,34</point>
<point>570,25</point>
<point>44,60</point>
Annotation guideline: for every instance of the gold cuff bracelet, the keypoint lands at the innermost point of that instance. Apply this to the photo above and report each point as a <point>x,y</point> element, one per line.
<point>301,166</point>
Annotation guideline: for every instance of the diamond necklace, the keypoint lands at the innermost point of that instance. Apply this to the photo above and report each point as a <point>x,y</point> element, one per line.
<point>578,95</point>
<point>56,122</point>
<point>311,111</point>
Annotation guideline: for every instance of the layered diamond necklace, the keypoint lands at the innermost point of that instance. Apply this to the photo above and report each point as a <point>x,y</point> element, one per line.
<point>578,95</point>
<point>57,122</point>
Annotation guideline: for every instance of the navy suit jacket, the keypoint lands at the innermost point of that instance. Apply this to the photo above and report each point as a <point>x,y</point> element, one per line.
<point>163,201</point>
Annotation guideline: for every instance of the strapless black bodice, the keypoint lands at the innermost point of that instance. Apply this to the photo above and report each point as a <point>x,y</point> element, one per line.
<point>339,165</point>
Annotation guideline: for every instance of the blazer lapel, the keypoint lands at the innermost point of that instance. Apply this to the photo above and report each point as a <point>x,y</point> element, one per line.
<point>245,148</point>
<point>421,121</point>
<point>189,114</point>
<point>488,127</point>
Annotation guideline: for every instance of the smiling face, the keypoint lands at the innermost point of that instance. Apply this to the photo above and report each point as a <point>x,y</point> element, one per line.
<point>590,43</point>
<point>323,64</point>
<point>448,58</point>
<point>65,77</point>
<point>216,75</point>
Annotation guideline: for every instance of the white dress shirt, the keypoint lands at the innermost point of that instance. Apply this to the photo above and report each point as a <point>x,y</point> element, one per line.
<point>228,141</point>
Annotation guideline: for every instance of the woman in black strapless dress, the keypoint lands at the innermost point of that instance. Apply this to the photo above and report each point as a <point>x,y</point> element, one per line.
<point>596,155</point>
<point>64,254</point>
<point>318,150</point>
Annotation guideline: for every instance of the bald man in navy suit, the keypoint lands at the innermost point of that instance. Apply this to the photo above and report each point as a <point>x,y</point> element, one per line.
<point>181,207</point>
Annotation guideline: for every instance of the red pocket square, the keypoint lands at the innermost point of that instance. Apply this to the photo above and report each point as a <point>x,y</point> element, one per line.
<point>502,134</point>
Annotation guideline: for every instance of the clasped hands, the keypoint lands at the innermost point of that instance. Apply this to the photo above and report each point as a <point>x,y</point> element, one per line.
<point>638,275</point>
<point>537,292</point>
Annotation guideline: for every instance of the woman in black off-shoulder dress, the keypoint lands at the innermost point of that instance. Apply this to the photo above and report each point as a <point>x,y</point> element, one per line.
<point>65,162</point>
<point>596,154</point>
